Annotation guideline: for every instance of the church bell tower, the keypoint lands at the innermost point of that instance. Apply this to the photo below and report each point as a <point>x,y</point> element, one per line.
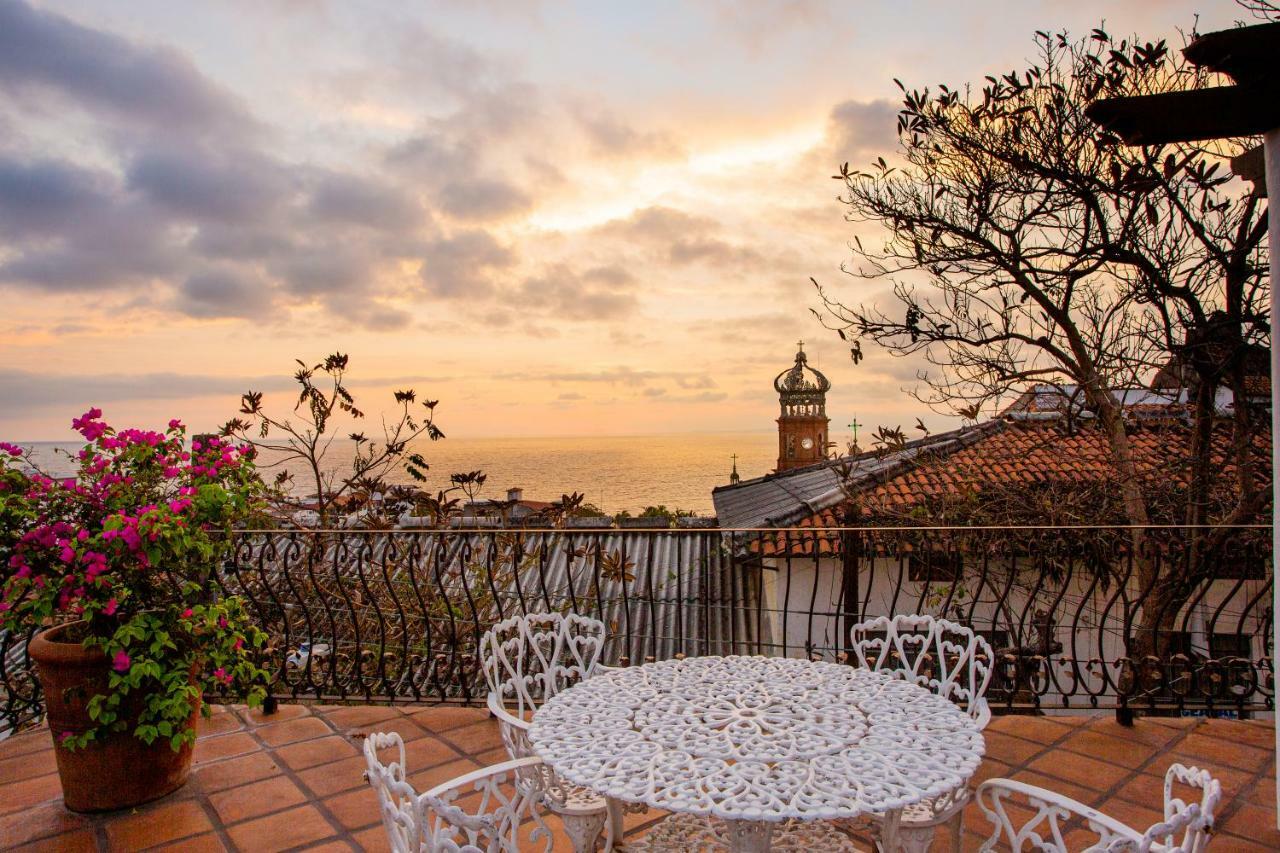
<point>803,426</point>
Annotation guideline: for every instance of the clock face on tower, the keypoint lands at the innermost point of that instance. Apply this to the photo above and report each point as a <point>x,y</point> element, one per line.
<point>807,444</point>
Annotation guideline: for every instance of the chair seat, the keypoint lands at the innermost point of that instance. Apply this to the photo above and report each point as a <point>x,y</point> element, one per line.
<point>685,832</point>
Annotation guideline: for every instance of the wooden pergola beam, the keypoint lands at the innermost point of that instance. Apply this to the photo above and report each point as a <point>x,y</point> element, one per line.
<point>1223,111</point>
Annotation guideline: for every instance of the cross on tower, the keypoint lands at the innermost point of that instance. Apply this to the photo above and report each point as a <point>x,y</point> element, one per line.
<point>800,344</point>
<point>854,426</point>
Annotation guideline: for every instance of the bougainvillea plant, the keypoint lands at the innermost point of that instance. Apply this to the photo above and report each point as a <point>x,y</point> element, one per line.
<point>126,551</point>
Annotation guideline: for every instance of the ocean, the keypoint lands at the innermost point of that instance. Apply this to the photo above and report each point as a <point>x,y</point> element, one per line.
<point>615,473</point>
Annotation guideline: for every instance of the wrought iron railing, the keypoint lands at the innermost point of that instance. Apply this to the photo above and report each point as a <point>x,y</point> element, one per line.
<point>1085,617</point>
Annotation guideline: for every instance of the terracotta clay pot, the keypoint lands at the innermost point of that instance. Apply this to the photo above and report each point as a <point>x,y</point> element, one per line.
<point>115,771</point>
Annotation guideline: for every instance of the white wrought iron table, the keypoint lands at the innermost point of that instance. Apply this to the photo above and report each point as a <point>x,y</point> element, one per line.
<point>756,741</point>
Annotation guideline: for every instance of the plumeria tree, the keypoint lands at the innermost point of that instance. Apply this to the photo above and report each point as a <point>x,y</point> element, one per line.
<point>1023,244</point>
<point>126,552</point>
<point>304,438</point>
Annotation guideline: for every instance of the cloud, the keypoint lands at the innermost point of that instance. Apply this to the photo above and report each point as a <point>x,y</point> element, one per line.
<point>564,293</point>
<point>610,136</point>
<point>74,392</point>
<point>224,293</point>
<point>43,53</point>
<point>659,224</point>
<point>571,396</point>
<point>367,200</point>
<point>28,390</point>
<point>211,183</point>
<point>482,199</point>
<point>459,266</point>
<point>40,196</point>
<point>859,130</point>
<point>681,238</point>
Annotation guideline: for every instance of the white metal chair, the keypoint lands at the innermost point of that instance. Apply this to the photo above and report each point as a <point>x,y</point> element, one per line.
<point>952,661</point>
<point>1044,830</point>
<point>505,817</point>
<point>527,660</point>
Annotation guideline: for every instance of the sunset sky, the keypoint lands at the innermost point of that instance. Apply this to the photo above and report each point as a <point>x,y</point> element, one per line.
<point>557,218</point>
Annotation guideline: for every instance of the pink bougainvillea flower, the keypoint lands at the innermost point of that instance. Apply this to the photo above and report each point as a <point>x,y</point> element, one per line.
<point>222,675</point>
<point>175,424</point>
<point>121,662</point>
<point>65,736</point>
<point>186,614</point>
<point>110,610</point>
<point>11,449</point>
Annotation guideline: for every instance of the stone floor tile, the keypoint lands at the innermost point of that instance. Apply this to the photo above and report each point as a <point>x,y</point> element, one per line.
<point>223,746</point>
<point>207,843</point>
<point>1083,770</point>
<point>441,718</point>
<point>425,752</point>
<point>27,766</point>
<point>25,793</point>
<point>336,846</point>
<point>217,724</point>
<point>40,821</point>
<point>80,841</point>
<point>259,717</point>
<point>256,799</point>
<point>27,743</point>
<point>475,738</point>
<point>355,809</point>
<point>1088,796</point>
<point>1261,734</point>
<point>231,772</point>
<point>1144,730</point>
<point>158,824</point>
<point>1009,749</point>
<point>1224,752</point>
<point>309,753</point>
<point>1127,753</point>
<point>401,725</point>
<point>425,780</point>
<point>292,828</point>
<point>371,840</point>
<point>291,731</point>
<point>360,715</point>
<point>335,777</point>
<point>1139,816</point>
<point>1253,822</point>
<point>1041,730</point>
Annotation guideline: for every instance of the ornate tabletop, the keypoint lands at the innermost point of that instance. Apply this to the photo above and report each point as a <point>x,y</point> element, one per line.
<point>757,739</point>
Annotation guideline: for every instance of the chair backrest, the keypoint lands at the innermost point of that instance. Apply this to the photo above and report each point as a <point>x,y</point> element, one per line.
<point>1006,804</point>
<point>528,659</point>
<point>505,817</point>
<point>944,656</point>
<point>1195,819</point>
<point>1051,812</point>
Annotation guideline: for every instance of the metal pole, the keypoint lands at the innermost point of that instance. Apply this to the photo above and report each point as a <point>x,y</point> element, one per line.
<point>1272,154</point>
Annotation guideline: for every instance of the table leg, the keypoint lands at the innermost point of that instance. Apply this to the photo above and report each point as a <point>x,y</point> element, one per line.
<point>616,827</point>
<point>750,836</point>
<point>889,841</point>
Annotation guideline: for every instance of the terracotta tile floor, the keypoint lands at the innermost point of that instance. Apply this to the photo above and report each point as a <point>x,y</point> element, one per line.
<point>292,780</point>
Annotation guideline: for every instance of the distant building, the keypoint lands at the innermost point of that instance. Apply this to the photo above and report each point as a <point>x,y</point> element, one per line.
<point>1044,448</point>
<point>803,425</point>
<point>514,510</point>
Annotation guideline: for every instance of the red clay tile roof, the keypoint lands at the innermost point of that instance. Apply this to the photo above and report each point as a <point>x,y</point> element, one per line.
<point>1022,453</point>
